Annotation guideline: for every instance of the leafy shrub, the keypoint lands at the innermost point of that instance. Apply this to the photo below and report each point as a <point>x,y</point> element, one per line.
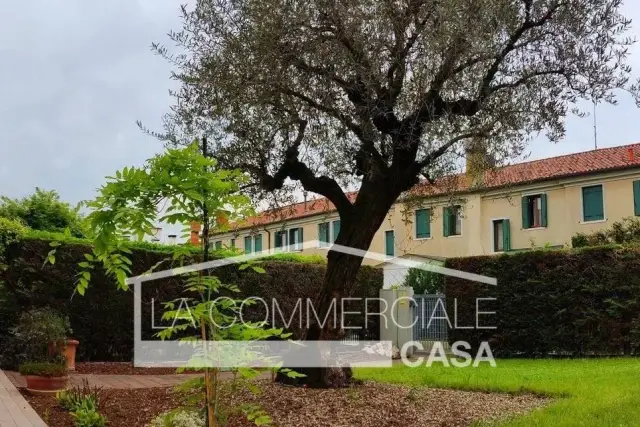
<point>84,417</point>
<point>567,302</point>
<point>179,419</point>
<point>102,319</point>
<point>37,333</point>
<point>622,232</point>
<point>10,232</point>
<point>44,369</point>
<point>424,281</point>
<point>79,397</point>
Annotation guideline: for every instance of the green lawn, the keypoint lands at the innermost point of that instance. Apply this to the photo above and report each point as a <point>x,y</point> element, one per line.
<point>590,393</point>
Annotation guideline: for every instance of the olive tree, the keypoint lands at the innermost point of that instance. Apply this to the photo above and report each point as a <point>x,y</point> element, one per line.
<point>381,95</point>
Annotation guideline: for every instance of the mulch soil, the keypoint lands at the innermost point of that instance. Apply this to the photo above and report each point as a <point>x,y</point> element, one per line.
<point>368,404</point>
<point>121,368</point>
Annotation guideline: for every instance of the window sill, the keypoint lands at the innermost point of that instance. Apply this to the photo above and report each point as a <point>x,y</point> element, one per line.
<point>535,228</point>
<point>454,236</point>
<point>422,238</point>
<point>593,222</point>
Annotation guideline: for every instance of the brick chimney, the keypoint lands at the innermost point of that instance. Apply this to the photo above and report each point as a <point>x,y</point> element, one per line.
<point>195,233</point>
<point>477,161</point>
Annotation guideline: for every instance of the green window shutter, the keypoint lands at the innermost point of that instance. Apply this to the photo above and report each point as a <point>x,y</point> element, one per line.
<point>389,243</point>
<point>543,210</point>
<point>218,245</point>
<point>446,222</point>
<point>636,197</point>
<point>592,203</point>
<point>247,245</point>
<point>336,229</point>
<point>300,238</point>
<point>506,235</point>
<point>323,233</point>
<point>423,224</point>
<point>257,243</point>
<point>526,221</point>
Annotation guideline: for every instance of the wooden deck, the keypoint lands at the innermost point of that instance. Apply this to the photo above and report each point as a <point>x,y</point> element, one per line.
<point>14,409</point>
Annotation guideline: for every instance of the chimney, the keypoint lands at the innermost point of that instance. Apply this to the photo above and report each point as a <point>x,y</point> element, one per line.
<point>195,233</point>
<point>171,239</point>
<point>630,155</point>
<point>477,161</point>
<point>304,193</point>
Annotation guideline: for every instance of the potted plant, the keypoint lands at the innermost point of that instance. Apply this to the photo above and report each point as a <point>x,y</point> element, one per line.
<point>45,378</point>
<point>41,337</point>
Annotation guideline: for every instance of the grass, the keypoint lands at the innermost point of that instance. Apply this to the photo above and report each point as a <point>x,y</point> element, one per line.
<point>589,393</point>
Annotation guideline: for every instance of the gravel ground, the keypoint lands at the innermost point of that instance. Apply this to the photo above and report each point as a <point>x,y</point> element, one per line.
<point>369,404</point>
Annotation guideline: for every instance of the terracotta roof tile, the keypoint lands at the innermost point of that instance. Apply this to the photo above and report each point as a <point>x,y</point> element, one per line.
<point>600,160</point>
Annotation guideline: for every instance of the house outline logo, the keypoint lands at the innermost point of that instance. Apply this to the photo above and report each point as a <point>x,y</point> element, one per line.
<point>151,353</point>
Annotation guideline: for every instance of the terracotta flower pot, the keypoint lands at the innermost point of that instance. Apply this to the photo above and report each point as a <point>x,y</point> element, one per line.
<point>45,386</point>
<point>70,354</point>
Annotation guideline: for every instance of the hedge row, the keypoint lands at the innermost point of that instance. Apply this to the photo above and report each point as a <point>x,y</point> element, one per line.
<point>569,302</point>
<point>102,320</point>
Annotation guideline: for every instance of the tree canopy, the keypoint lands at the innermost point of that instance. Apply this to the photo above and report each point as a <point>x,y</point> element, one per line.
<point>43,210</point>
<point>345,91</point>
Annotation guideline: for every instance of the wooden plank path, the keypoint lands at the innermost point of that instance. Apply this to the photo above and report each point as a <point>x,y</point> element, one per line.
<point>14,409</point>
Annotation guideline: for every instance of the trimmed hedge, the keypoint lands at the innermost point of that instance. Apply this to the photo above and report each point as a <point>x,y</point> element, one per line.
<point>568,302</point>
<point>102,320</point>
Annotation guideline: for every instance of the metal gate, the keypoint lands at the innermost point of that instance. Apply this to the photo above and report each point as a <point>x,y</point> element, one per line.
<point>429,314</point>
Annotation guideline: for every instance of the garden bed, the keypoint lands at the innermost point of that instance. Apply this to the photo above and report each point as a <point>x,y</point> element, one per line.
<point>370,404</point>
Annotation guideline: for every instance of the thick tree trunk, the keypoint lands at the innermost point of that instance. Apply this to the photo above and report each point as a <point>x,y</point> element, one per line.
<point>356,231</point>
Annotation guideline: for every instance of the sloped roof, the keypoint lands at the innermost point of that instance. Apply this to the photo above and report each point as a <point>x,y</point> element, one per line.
<point>584,163</point>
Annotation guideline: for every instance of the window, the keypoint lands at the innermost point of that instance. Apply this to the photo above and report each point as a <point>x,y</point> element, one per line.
<point>452,221</point>
<point>501,235</point>
<point>423,223</point>
<point>218,245</point>
<point>534,211</point>
<point>257,243</point>
<point>289,240</point>
<point>328,232</point>
<point>233,243</point>
<point>251,243</point>
<point>389,243</point>
<point>592,203</point>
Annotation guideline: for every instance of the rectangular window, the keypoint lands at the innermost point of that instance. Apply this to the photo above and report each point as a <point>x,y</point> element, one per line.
<point>233,243</point>
<point>389,243</point>
<point>218,245</point>
<point>423,223</point>
<point>247,245</point>
<point>452,221</point>
<point>289,240</point>
<point>323,234</point>
<point>592,203</point>
<point>328,232</point>
<point>534,211</point>
<point>257,243</point>
<point>501,235</point>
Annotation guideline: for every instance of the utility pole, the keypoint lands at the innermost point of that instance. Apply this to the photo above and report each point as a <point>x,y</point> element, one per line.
<point>595,126</point>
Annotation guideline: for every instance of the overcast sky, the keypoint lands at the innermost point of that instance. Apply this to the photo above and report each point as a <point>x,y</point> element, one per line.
<point>75,75</point>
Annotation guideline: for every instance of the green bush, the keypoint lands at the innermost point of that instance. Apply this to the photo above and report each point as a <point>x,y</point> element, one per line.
<point>43,369</point>
<point>623,232</point>
<point>102,320</point>
<point>567,302</point>
<point>79,397</point>
<point>88,418</point>
<point>36,331</point>
<point>424,281</point>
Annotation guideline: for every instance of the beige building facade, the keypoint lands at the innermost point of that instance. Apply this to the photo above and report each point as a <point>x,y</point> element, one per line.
<point>519,207</point>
